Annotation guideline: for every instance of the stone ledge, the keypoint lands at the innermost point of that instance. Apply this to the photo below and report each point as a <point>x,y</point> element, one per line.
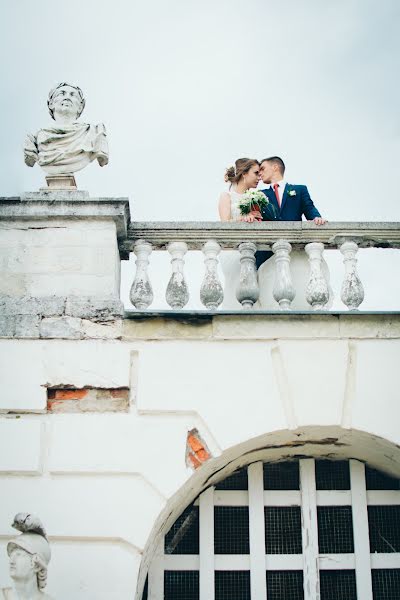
<point>231,234</point>
<point>248,325</point>
<point>46,205</point>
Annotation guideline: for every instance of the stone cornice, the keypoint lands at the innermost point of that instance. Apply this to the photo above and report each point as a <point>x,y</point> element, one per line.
<point>39,206</point>
<point>298,233</point>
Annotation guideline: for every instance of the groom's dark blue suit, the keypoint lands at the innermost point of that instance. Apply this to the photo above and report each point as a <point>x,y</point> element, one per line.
<point>295,203</point>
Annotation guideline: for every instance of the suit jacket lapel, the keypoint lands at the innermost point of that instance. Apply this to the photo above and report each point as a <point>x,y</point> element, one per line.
<point>285,195</point>
<point>272,197</point>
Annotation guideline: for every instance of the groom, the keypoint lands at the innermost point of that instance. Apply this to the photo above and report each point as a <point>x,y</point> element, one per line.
<point>290,201</point>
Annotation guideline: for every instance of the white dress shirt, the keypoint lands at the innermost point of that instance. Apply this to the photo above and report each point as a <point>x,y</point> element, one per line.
<point>281,189</point>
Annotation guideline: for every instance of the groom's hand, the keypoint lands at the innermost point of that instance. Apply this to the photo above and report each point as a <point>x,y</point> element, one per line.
<point>319,221</point>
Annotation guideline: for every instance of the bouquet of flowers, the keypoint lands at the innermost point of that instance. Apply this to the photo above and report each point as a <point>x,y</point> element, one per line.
<point>255,200</point>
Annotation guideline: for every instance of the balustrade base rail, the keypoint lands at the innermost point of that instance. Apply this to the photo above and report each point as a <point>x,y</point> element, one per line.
<point>186,314</point>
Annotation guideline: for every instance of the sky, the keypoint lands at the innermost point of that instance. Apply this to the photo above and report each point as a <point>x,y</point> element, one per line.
<point>184,88</point>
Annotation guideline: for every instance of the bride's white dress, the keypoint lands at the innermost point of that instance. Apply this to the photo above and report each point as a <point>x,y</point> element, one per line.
<point>299,269</point>
<point>230,262</point>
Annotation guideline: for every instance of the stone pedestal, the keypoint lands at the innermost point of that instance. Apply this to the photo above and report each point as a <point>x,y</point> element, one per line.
<point>61,182</point>
<point>61,243</point>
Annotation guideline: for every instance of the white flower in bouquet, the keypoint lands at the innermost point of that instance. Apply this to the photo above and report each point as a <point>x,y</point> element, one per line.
<point>252,200</point>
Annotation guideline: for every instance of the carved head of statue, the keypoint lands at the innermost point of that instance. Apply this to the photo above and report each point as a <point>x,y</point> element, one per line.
<point>66,100</point>
<point>29,552</point>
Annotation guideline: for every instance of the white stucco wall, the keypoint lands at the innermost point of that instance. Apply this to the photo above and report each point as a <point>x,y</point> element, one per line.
<point>253,386</point>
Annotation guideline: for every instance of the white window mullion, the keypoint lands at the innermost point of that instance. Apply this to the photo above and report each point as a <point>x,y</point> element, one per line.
<point>156,574</point>
<point>258,584</point>
<point>360,530</point>
<point>309,529</point>
<point>206,510</point>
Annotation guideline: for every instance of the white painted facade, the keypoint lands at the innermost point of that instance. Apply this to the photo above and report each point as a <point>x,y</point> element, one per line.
<point>256,387</point>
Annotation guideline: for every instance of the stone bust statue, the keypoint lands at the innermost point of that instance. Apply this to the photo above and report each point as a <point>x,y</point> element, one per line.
<point>29,555</point>
<point>66,146</point>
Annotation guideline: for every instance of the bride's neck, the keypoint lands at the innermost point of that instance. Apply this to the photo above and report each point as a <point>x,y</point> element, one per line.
<point>241,187</point>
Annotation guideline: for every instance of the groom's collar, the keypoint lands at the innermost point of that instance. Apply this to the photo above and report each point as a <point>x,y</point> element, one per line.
<point>281,184</point>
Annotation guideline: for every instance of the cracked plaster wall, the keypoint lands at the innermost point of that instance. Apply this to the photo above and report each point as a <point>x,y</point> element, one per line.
<point>106,485</point>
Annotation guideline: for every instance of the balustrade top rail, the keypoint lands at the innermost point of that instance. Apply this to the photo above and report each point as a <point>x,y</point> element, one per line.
<point>230,234</point>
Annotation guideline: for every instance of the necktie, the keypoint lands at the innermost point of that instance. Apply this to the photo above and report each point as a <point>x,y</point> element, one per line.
<point>276,186</point>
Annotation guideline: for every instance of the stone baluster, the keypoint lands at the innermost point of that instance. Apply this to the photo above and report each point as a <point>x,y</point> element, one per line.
<point>283,290</point>
<point>247,291</point>
<point>211,292</point>
<point>317,291</point>
<point>177,294</point>
<point>141,294</point>
<point>352,292</point>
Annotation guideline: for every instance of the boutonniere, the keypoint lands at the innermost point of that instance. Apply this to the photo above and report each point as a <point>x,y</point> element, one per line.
<point>292,193</point>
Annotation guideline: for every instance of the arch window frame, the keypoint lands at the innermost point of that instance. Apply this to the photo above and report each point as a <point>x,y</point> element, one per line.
<point>257,562</point>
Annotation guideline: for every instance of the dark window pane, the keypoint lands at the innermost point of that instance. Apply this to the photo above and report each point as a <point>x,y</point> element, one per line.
<point>282,476</point>
<point>332,474</point>
<point>232,585</point>
<point>384,528</point>
<point>236,481</point>
<point>145,589</point>
<point>386,584</point>
<point>181,585</point>
<point>338,585</point>
<point>283,530</point>
<point>375,480</point>
<point>285,585</point>
<point>183,537</point>
<point>335,529</point>
<point>231,530</point>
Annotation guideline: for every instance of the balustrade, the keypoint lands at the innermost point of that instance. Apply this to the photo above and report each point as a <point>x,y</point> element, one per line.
<point>246,239</point>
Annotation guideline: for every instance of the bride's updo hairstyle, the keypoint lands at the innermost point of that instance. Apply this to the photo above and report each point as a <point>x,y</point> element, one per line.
<point>242,166</point>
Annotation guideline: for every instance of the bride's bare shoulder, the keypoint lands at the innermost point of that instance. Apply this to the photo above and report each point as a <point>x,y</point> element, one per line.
<point>224,196</point>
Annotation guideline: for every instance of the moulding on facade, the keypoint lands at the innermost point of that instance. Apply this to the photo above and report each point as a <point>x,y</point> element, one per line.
<point>50,205</point>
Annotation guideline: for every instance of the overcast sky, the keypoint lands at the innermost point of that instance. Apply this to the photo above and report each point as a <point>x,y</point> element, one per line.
<point>184,88</point>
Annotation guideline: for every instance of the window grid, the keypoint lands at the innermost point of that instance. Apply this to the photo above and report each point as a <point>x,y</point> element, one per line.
<point>231,530</point>
<point>281,476</point>
<point>335,530</point>
<point>181,585</point>
<point>332,474</point>
<point>338,585</point>
<point>384,528</point>
<point>284,537</point>
<point>183,537</point>
<point>386,584</point>
<point>232,584</point>
<point>283,530</point>
<point>285,585</point>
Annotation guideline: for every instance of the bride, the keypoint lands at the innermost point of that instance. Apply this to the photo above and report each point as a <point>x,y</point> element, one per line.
<point>243,176</point>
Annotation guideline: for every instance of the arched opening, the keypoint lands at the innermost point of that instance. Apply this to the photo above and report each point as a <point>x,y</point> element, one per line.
<point>276,448</point>
<point>291,530</point>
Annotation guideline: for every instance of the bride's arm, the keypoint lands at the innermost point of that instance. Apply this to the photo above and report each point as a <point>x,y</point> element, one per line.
<point>224,207</point>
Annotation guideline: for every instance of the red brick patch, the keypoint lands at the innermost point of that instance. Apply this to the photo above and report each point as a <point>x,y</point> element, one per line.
<point>196,450</point>
<point>87,400</point>
<point>66,394</point>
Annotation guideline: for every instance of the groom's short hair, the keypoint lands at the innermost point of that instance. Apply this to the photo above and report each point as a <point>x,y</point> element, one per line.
<point>276,160</point>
